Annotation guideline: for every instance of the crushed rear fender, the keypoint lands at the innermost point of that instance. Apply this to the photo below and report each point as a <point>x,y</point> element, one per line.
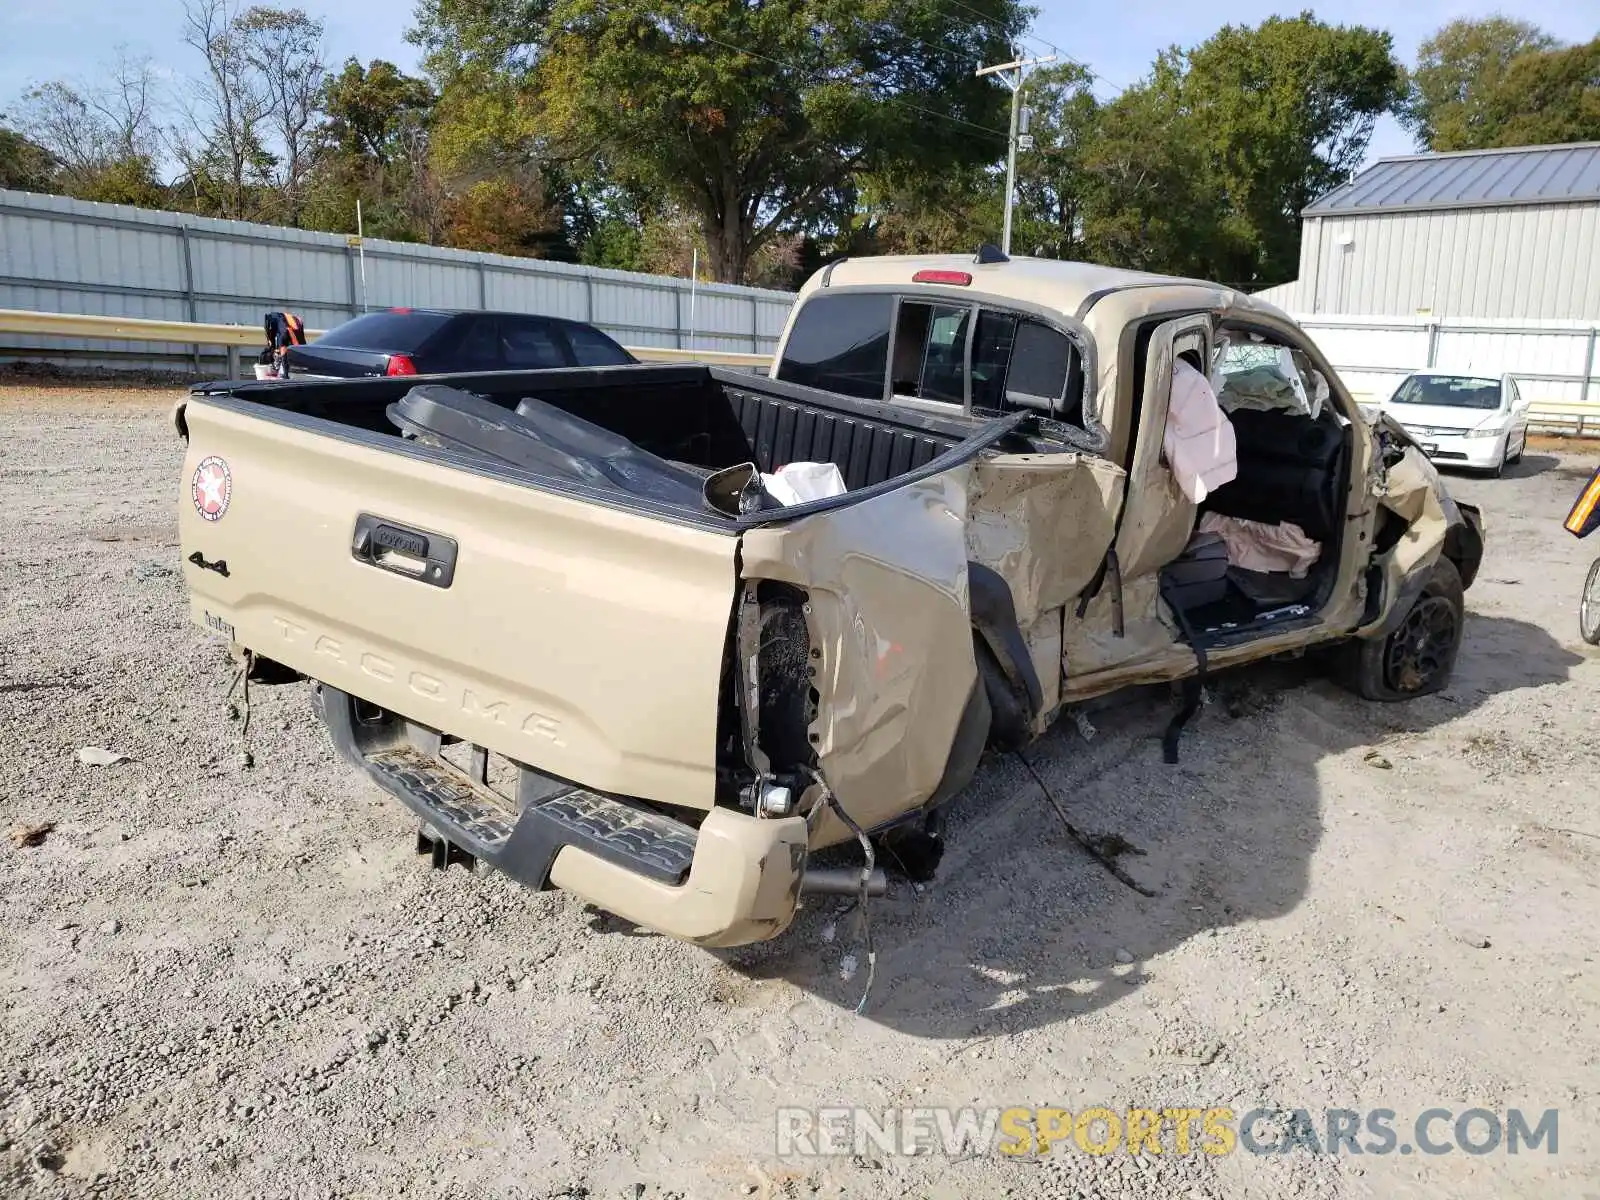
<point>888,613</point>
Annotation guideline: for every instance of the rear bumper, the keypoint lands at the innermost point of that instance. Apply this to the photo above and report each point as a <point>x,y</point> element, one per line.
<point>731,880</point>
<point>743,883</point>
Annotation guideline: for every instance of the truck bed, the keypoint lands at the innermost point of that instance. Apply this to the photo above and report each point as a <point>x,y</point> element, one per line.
<point>574,621</point>
<point>706,419</point>
<point>544,566</point>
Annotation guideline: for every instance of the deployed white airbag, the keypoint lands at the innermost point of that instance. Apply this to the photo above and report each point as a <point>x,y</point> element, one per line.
<point>799,482</point>
<point>1257,546</point>
<point>1198,439</point>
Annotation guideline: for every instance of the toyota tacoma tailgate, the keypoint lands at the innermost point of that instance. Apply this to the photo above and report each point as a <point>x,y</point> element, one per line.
<point>518,619</point>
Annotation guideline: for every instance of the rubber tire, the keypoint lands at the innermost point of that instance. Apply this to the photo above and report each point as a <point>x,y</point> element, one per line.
<point>1591,587</point>
<point>1360,663</point>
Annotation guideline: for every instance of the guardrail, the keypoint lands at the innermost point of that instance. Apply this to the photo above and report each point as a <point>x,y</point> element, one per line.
<point>234,337</point>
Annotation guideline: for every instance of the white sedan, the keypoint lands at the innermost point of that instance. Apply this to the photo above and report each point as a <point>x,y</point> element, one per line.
<point>1462,419</point>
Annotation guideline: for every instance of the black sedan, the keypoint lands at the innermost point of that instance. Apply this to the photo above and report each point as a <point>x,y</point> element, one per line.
<point>428,341</point>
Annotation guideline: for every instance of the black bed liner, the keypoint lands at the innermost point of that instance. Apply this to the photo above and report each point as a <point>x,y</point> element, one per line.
<point>625,436</point>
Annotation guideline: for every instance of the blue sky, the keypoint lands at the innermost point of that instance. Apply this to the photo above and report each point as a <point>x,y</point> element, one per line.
<point>49,39</point>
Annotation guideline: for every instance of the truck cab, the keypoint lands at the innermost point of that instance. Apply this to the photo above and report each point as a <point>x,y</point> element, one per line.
<point>1092,351</point>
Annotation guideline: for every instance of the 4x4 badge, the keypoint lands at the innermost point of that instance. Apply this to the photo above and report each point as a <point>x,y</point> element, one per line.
<point>212,488</point>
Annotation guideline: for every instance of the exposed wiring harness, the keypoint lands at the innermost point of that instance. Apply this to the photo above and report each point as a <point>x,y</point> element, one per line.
<point>869,863</point>
<point>1102,848</point>
<point>241,684</point>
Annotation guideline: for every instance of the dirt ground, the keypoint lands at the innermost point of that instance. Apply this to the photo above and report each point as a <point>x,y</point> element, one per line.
<point>224,981</point>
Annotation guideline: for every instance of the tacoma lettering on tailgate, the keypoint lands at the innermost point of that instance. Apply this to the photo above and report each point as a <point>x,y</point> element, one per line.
<point>458,697</point>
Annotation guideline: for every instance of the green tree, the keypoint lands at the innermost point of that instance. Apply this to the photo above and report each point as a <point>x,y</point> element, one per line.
<point>480,55</point>
<point>1452,102</point>
<point>753,119</point>
<point>1549,97</point>
<point>24,164</point>
<point>907,210</point>
<point>375,113</point>
<point>373,145</point>
<point>1285,112</point>
<point>614,242</point>
<point>1204,167</point>
<point>1151,200</point>
<point>1051,181</point>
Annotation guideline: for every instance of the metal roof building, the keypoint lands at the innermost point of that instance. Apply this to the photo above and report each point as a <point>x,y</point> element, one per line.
<point>1511,233</point>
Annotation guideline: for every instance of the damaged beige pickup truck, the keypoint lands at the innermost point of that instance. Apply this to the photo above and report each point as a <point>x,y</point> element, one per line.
<point>565,618</point>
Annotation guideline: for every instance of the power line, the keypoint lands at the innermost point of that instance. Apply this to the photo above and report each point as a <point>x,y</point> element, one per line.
<point>995,23</point>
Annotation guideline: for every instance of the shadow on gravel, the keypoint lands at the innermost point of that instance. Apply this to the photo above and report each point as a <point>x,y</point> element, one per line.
<point>1579,469</point>
<point>1022,928</point>
<point>1532,464</point>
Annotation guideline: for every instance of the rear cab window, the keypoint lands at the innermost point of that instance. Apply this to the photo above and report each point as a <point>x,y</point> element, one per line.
<point>396,330</point>
<point>926,349</point>
<point>840,343</point>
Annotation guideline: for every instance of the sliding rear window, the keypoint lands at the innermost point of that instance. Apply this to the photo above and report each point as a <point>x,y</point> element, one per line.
<point>840,344</point>
<point>391,331</point>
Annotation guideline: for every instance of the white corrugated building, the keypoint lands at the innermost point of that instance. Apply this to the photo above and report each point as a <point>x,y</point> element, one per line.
<point>1483,233</point>
<point>1484,260</point>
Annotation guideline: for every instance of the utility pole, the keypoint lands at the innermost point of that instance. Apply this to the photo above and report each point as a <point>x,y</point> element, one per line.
<point>1012,74</point>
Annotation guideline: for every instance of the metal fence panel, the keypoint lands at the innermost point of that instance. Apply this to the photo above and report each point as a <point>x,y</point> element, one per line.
<point>71,256</point>
<point>1557,363</point>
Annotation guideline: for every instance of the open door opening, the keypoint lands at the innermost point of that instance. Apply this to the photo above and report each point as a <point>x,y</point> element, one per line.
<point>1280,519</point>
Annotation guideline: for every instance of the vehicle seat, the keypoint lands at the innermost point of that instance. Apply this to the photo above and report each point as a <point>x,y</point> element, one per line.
<point>1198,576</point>
<point>1291,468</point>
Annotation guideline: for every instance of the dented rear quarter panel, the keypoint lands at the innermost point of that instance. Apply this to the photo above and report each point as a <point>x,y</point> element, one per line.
<point>1043,521</point>
<point>888,608</point>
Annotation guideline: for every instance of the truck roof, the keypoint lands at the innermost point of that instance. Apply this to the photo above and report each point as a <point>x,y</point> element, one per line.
<point>1061,286</point>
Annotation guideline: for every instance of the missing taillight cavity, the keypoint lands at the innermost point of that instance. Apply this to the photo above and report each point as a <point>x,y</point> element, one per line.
<point>958,278</point>
<point>774,700</point>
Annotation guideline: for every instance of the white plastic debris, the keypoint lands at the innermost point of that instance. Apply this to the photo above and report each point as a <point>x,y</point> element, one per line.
<point>1085,730</point>
<point>829,932</point>
<point>94,756</point>
<point>847,967</point>
<point>798,482</point>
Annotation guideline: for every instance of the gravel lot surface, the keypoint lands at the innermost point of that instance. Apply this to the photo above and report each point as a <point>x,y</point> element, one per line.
<point>224,981</point>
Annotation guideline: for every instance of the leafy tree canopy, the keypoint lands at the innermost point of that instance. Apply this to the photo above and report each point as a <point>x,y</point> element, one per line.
<point>1460,69</point>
